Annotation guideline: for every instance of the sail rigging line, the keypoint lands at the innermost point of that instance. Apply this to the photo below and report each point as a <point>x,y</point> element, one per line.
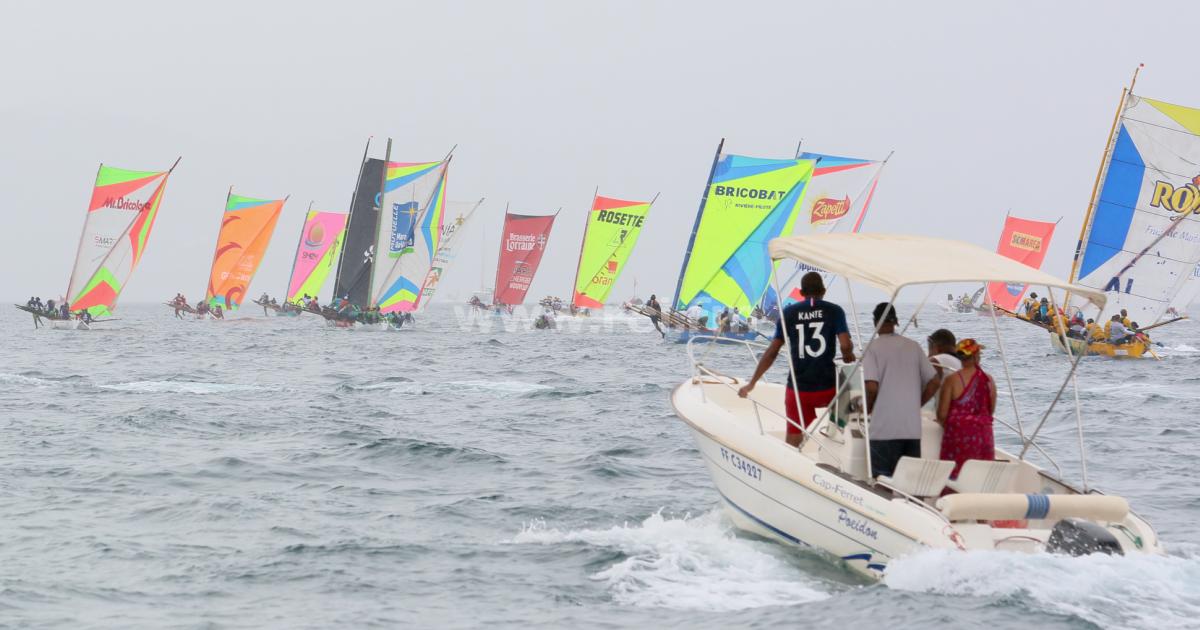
<point>687,254</point>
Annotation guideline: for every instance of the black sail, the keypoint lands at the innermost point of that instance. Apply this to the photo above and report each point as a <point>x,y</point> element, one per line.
<point>358,249</point>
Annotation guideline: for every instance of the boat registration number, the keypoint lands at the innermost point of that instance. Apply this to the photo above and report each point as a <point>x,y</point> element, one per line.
<point>749,469</point>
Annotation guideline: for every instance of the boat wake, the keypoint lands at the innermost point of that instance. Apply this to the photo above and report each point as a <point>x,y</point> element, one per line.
<point>1128,592</point>
<point>689,564</point>
<point>184,387</point>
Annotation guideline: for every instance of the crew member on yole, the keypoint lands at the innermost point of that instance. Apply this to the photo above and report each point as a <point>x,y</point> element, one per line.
<point>813,326</point>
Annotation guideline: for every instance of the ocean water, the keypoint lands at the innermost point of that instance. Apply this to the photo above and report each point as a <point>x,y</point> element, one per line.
<point>269,472</point>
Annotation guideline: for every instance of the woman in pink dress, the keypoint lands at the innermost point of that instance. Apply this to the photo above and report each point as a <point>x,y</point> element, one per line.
<point>965,406</point>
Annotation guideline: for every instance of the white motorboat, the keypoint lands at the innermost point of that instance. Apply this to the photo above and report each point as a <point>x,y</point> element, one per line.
<point>821,494</point>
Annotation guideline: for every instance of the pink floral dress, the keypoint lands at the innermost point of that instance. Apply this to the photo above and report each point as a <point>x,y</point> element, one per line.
<point>968,433</point>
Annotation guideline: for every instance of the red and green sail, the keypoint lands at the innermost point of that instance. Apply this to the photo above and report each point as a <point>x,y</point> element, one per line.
<point>120,218</point>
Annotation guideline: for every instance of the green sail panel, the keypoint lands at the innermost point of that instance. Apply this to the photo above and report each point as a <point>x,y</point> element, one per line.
<point>749,201</point>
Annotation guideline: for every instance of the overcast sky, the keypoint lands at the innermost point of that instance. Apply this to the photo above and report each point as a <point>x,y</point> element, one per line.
<point>990,107</point>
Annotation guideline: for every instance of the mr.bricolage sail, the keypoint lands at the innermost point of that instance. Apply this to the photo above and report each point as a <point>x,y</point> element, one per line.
<point>246,228</point>
<point>522,242</point>
<point>748,201</point>
<point>837,199</point>
<point>1141,238</point>
<point>119,221</point>
<point>612,230</point>
<point>316,253</point>
<point>1025,241</point>
<point>410,228</point>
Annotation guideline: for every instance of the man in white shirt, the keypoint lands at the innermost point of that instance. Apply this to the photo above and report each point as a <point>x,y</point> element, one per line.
<point>899,380</point>
<point>941,352</point>
<point>695,314</point>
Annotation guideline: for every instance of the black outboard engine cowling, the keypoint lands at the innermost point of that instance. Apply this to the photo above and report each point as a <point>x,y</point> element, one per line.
<point>1079,538</point>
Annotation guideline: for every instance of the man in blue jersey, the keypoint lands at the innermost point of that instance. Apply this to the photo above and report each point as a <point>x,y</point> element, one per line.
<point>813,327</point>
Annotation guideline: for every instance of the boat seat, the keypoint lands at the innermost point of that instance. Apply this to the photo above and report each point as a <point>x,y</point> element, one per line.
<point>986,477</point>
<point>919,477</point>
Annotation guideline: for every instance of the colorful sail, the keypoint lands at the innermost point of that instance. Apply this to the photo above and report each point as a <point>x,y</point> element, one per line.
<point>837,199</point>
<point>119,221</point>
<point>748,202</point>
<point>318,250</point>
<point>522,243</point>
<point>612,230</point>
<point>458,215</point>
<point>356,261</point>
<point>414,198</point>
<point>1141,242</point>
<point>1025,241</point>
<point>1187,295</point>
<point>246,229</point>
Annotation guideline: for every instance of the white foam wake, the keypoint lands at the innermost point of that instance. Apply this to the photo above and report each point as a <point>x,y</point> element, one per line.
<point>17,379</point>
<point>688,564</point>
<point>1128,592</point>
<point>183,387</point>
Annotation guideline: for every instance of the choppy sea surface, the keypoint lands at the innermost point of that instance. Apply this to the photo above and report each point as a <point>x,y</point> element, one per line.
<point>270,472</point>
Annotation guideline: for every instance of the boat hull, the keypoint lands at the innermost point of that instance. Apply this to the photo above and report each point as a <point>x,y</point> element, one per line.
<point>69,324</point>
<point>684,336</point>
<point>1135,350</point>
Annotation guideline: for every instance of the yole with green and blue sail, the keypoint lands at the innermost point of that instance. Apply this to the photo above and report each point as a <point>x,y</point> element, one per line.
<point>747,202</point>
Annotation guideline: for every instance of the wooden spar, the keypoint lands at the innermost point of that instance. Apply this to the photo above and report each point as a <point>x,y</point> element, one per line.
<point>587,222</point>
<point>1108,147</point>
<point>1153,326</point>
<point>299,242</point>
<point>337,273</point>
<point>387,157</point>
<point>499,257</point>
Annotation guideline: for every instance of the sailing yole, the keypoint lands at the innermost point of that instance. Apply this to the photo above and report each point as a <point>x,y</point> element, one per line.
<point>747,202</point>
<point>447,250</point>
<point>246,229</point>
<point>415,195</point>
<point>120,219</point>
<point>611,232</point>
<point>523,241</point>
<point>316,253</point>
<point>1141,236</point>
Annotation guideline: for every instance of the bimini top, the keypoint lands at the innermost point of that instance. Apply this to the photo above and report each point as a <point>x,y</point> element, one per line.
<point>893,261</point>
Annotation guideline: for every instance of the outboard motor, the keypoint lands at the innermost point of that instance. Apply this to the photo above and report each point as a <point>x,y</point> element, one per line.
<point>1079,538</point>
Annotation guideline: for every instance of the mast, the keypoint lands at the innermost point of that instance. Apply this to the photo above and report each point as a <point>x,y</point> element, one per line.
<point>499,257</point>
<point>583,241</point>
<point>217,246</point>
<point>337,273</point>
<point>1086,228</point>
<point>687,254</point>
<point>300,241</point>
<point>387,158</point>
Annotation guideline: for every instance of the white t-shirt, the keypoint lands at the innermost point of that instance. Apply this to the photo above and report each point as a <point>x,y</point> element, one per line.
<point>902,370</point>
<point>695,312</point>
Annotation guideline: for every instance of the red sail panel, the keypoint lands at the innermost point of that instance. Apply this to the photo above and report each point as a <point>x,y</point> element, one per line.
<point>1024,241</point>
<point>522,243</point>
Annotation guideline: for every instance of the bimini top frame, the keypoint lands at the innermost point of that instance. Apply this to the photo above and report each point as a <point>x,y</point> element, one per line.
<point>891,262</point>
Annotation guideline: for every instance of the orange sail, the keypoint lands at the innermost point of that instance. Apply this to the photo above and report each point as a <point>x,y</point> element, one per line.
<point>246,229</point>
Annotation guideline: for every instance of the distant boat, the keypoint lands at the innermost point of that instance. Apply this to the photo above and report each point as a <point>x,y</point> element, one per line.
<point>747,201</point>
<point>447,250</point>
<point>117,229</point>
<point>609,236</point>
<point>1139,239</point>
<point>247,225</point>
<point>523,240</point>
<point>317,251</point>
<point>393,229</point>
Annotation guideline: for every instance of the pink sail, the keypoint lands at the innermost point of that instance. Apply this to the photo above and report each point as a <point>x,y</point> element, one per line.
<point>317,253</point>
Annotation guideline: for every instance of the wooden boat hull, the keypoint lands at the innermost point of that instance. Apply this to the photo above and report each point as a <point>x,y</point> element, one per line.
<point>1134,350</point>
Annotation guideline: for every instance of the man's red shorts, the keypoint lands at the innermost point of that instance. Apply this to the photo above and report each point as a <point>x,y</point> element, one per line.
<point>809,403</point>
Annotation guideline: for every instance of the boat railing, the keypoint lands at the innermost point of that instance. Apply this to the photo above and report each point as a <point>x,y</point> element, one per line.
<point>699,370</point>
